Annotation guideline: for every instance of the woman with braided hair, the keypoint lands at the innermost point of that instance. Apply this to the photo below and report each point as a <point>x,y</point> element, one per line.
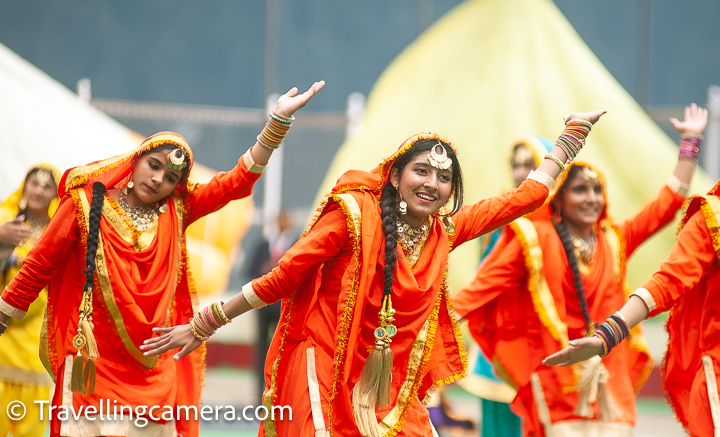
<point>366,331</point>
<point>114,260</point>
<point>527,301</point>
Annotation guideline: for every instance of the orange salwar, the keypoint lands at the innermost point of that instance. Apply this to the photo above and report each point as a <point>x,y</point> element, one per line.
<point>688,284</point>
<point>523,306</point>
<point>331,283</point>
<point>142,281</point>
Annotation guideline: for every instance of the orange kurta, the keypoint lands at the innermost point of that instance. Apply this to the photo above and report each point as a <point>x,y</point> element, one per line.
<point>331,283</point>
<point>688,284</point>
<point>142,281</point>
<point>522,306</point>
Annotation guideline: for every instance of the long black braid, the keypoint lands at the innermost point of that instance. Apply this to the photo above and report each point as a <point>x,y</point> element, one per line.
<point>93,232</point>
<point>388,213</point>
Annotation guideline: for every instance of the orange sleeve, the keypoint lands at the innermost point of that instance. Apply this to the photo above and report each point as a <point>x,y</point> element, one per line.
<point>44,261</point>
<point>689,261</point>
<point>492,213</point>
<point>222,188</point>
<point>503,270</point>
<point>654,216</point>
<point>324,241</point>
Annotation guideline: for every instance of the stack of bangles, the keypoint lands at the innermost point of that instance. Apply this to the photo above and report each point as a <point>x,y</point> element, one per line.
<point>3,328</point>
<point>612,332</point>
<point>690,148</point>
<point>274,131</point>
<point>208,320</point>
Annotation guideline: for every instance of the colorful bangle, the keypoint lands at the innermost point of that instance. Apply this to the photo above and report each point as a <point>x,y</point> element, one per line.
<point>274,131</point>
<point>572,140</point>
<point>690,148</point>
<point>208,320</point>
<point>556,160</point>
<point>613,331</point>
<point>3,328</point>
<point>281,118</point>
<point>267,146</point>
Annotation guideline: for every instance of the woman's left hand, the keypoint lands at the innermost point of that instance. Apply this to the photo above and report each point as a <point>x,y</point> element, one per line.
<point>173,337</point>
<point>694,122</point>
<point>291,101</point>
<point>579,350</point>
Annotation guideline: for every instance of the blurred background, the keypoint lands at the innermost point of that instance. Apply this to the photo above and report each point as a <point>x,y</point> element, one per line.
<point>83,80</point>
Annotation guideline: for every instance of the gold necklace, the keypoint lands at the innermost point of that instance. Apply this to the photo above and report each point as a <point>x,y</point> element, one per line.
<point>585,249</point>
<point>413,239</point>
<point>141,216</point>
<point>37,226</point>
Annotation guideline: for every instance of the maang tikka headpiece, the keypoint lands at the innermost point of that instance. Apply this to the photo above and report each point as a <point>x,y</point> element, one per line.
<point>43,177</point>
<point>439,158</point>
<point>176,160</point>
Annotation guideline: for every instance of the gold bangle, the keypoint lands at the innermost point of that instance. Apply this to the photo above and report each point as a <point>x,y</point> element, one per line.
<point>577,121</point>
<point>621,317</point>
<point>605,350</point>
<point>282,119</point>
<point>195,333</point>
<point>223,317</point>
<point>556,160</point>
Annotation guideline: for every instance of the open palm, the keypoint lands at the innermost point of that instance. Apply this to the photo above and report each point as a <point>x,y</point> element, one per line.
<point>291,101</point>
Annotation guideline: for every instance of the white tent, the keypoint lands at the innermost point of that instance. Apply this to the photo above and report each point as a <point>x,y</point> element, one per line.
<point>43,121</point>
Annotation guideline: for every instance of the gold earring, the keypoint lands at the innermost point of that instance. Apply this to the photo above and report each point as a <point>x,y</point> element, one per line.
<point>131,184</point>
<point>22,204</point>
<point>402,205</point>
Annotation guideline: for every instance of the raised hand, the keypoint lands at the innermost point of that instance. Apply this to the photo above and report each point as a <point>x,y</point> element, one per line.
<point>579,350</point>
<point>291,101</point>
<point>694,122</point>
<point>14,232</point>
<point>592,117</point>
<point>173,337</point>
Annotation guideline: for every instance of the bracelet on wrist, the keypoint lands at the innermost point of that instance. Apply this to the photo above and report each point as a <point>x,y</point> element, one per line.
<point>556,160</point>
<point>3,328</point>
<point>690,148</point>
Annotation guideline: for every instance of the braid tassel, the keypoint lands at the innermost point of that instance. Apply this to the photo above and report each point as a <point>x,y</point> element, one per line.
<point>83,372</point>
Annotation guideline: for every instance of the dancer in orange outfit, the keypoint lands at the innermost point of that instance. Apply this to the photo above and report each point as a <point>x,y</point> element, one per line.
<point>367,330</point>
<point>24,216</point>
<point>687,284</point>
<point>528,300</point>
<point>120,230</point>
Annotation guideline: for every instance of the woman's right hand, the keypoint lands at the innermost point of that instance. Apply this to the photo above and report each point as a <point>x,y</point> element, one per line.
<point>579,350</point>
<point>173,337</point>
<point>14,232</point>
<point>592,117</point>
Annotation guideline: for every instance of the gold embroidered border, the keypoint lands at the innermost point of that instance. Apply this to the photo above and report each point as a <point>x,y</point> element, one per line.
<point>354,222</point>
<point>270,396</point>
<point>122,224</point>
<point>710,206</point>
<point>405,402</point>
<point>542,299</point>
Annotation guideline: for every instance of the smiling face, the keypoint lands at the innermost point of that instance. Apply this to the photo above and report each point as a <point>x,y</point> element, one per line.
<point>40,190</point>
<point>581,200</point>
<point>425,188</point>
<point>153,179</point>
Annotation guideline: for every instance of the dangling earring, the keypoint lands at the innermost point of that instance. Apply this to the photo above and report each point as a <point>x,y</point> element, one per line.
<point>22,204</point>
<point>402,205</point>
<point>130,185</point>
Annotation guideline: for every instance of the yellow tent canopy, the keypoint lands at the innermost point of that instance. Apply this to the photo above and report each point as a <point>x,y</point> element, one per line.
<point>492,71</point>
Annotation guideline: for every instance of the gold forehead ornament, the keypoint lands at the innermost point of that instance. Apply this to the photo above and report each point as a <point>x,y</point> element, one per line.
<point>590,175</point>
<point>438,157</point>
<point>43,177</point>
<point>176,160</point>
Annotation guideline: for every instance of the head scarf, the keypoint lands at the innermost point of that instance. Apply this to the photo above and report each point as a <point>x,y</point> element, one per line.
<point>12,203</point>
<point>560,183</point>
<point>537,145</point>
<point>116,171</point>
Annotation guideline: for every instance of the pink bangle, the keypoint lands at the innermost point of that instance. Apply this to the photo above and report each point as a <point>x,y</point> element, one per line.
<point>690,148</point>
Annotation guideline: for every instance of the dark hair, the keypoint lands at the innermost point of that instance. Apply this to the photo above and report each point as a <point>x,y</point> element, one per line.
<point>388,204</point>
<point>93,232</point>
<point>425,145</point>
<point>567,243</point>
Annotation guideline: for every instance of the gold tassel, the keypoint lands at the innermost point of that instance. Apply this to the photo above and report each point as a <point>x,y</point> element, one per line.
<point>77,383</point>
<point>587,386</point>
<point>608,408</point>
<point>373,388</point>
<point>365,394</point>
<point>383,397</point>
<point>89,376</point>
<point>90,350</point>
